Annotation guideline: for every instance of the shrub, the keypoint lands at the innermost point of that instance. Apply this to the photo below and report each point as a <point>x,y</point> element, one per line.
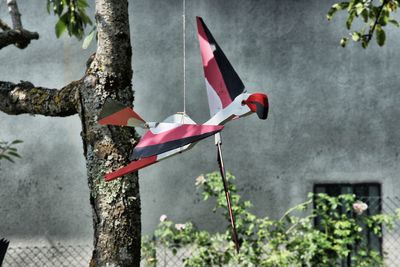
<point>293,240</point>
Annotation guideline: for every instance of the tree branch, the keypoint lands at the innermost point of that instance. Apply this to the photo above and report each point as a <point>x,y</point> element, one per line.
<point>26,98</point>
<point>15,15</point>
<point>4,26</point>
<point>372,29</point>
<point>19,38</point>
<point>17,35</point>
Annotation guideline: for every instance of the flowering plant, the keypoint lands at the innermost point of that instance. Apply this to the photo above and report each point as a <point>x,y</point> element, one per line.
<point>359,207</point>
<point>321,231</point>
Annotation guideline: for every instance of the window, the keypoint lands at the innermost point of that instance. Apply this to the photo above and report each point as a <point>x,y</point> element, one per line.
<point>369,193</point>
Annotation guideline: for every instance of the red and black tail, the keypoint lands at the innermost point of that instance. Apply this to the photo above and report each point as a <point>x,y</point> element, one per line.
<point>114,113</point>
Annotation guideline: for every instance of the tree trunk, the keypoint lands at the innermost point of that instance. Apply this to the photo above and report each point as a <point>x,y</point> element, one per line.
<point>116,204</point>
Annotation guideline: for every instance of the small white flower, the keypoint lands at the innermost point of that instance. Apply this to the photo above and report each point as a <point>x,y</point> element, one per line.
<point>163,218</point>
<point>359,207</point>
<point>200,180</point>
<point>179,226</point>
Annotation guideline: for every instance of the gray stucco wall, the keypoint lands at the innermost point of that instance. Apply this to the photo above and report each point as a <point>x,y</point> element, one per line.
<point>333,117</point>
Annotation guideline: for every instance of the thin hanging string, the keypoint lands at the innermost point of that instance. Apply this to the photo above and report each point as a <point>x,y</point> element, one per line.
<point>184,53</point>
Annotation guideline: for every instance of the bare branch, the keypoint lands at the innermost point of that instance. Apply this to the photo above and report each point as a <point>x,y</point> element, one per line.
<point>26,98</point>
<point>15,15</point>
<point>19,38</point>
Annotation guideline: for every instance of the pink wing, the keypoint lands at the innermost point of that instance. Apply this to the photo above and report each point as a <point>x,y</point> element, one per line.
<point>151,145</point>
<point>222,82</point>
<point>154,144</point>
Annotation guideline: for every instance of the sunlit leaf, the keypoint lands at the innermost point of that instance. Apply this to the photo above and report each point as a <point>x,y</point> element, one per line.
<point>356,36</point>
<point>88,39</point>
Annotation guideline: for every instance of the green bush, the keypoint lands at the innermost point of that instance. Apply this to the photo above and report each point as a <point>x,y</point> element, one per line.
<point>293,240</point>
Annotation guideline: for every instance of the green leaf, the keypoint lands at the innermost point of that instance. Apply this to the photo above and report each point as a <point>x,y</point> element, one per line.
<point>16,142</point>
<point>359,8</point>
<point>364,15</point>
<point>380,36</point>
<point>58,7</point>
<point>82,4</point>
<point>394,22</point>
<point>85,19</point>
<point>336,7</point>
<point>88,39</point>
<point>364,42</point>
<point>349,20</point>
<point>14,154</point>
<point>7,158</point>
<point>384,18</point>
<point>72,16</point>
<point>60,27</point>
<point>48,6</point>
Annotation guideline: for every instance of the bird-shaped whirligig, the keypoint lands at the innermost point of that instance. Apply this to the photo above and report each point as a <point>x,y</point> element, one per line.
<point>227,99</point>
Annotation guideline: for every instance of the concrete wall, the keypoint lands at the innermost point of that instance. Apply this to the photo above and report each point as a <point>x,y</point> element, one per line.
<point>333,117</point>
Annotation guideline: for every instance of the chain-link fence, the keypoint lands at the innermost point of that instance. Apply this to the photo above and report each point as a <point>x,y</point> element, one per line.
<point>391,238</point>
<point>166,258</point>
<point>56,256</point>
<point>79,255</point>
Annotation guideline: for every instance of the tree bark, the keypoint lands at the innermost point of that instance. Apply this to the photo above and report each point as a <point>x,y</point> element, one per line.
<point>19,38</point>
<point>24,97</point>
<point>115,204</point>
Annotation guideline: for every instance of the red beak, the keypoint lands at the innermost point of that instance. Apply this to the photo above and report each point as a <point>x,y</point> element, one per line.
<point>258,103</point>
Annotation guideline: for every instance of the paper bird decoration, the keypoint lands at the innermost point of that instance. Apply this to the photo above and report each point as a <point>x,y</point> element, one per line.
<point>227,99</point>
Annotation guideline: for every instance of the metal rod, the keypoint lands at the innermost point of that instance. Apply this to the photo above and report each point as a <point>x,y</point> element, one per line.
<point>227,195</point>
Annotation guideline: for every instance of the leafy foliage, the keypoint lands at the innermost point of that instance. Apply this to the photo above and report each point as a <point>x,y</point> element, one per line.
<point>293,240</point>
<point>374,16</point>
<point>72,16</point>
<point>8,151</point>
